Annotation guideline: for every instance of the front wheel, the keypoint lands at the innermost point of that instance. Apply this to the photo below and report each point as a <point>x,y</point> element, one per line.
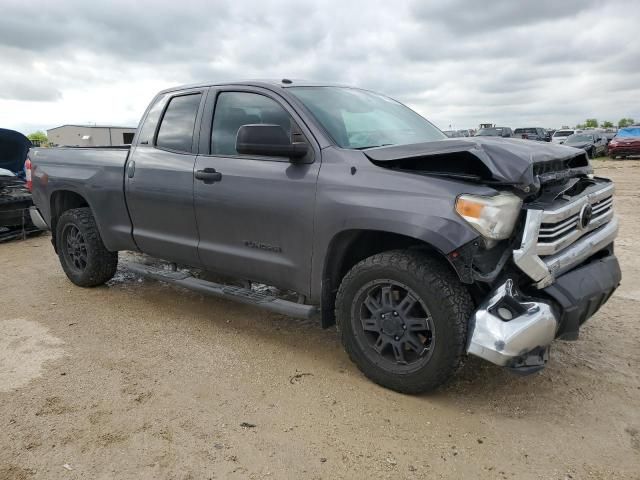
<point>83,256</point>
<point>403,320</point>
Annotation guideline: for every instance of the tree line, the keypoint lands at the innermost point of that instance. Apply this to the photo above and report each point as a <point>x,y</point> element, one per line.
<point>593,123</point>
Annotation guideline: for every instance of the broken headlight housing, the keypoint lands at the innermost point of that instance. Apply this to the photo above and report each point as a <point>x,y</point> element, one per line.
<point>492,216</point>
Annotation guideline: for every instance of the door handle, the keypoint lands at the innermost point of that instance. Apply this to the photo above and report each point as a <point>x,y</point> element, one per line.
<point>208,175</point>
<point>131,169</point>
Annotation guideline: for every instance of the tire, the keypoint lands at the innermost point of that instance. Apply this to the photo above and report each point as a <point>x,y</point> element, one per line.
<point>612,156</point>
<point>442,335</point>
<point>83,256</point>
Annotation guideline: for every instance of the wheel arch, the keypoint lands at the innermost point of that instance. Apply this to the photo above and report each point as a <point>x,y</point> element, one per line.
<point>59,202</point>
<point>349,247</point>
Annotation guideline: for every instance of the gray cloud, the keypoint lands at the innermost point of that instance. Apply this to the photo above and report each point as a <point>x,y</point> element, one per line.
<point>469,17</point>
<point>457,62</point>
<point>19,89</point>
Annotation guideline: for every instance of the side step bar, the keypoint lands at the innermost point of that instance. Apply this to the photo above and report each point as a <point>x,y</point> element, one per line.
<point>239,294</point>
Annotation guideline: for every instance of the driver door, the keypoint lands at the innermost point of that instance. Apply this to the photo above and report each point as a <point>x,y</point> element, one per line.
<point>255,219</point>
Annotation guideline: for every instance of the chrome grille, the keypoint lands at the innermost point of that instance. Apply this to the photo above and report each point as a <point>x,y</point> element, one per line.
<point>562,225</point>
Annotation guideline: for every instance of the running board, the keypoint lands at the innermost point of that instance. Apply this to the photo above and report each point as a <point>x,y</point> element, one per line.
<point>239,294</point>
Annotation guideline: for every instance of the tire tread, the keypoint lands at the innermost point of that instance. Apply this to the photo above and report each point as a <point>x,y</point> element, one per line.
<point>103,263</point>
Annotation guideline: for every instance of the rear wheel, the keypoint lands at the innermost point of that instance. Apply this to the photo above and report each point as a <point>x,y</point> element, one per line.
<point>403,320</point>
<point>83,256</point>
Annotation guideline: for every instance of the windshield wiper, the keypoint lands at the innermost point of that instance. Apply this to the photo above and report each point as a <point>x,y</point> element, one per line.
<point>374,146</point>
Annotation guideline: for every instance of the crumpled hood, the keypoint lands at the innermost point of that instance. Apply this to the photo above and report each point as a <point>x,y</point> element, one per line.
<point>509,161</point>
<point>14,147</point>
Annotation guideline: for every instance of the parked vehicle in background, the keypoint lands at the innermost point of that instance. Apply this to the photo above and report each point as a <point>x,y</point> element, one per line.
<point>561,135</point>
<point>505,132</point>
<point>453,133</point>
<point>15,199</point>
<point>610,134</point>
<point>423,249</point>
<point>626,143</point>
<point>532,133</point>
<point>595,144</point>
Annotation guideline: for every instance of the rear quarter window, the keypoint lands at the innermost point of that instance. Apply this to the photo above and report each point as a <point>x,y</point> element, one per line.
<point>178,123</point>
<point>148,128</point>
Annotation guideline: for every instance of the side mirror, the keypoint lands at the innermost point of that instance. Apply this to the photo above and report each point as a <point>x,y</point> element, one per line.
<point>268,140</point>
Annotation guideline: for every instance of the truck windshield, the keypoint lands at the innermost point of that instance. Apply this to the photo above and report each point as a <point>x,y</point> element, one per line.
<point>360,119</point>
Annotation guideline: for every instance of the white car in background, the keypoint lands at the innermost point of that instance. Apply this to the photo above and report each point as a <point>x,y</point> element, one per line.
<point>561,135</point>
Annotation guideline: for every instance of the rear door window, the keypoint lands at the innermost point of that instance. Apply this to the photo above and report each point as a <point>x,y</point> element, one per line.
<point>178,123</point>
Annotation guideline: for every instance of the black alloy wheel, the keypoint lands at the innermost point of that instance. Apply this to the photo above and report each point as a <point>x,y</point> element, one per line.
<point>74,248</point>
<point>395,324</point>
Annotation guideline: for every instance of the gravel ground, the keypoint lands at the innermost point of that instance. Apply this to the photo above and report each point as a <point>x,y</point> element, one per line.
<point>140,380</point>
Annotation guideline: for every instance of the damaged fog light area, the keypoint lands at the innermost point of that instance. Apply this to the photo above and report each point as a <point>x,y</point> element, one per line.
<point>510,332</point>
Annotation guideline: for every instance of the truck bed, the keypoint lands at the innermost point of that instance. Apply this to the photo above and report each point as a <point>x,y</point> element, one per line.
<point>94,173</point>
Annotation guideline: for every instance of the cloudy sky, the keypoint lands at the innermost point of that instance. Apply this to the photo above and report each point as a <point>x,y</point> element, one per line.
<point>537,63</point>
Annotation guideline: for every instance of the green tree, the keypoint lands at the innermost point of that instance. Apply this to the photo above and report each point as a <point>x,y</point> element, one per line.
<point>607,124</point>
<point>590,123</point>
<point>38,138</point>
<point>625,122</point>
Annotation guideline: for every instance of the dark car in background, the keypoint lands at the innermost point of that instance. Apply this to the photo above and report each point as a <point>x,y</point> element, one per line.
<point>532,133</point>
<point>505,132</point>
<point>609,135</point>
<point>15,199</point>
<point>626,143</point>
<point>595,144</point>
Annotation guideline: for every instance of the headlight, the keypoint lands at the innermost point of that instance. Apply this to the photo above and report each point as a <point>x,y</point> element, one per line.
<point>493,217</point>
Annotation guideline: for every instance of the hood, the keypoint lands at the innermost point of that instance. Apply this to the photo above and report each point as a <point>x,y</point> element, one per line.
<point>14,147</point>
<point>506,161</point>
<point>626,140</point>
<point>578,144</point>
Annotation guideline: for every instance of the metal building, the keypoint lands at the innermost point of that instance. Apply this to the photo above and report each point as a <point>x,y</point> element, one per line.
<point>90,135</point>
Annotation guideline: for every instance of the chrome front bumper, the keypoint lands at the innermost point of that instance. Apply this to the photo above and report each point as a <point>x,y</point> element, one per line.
<point>512,333</point>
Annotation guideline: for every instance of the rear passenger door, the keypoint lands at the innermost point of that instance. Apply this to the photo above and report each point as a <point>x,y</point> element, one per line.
<point>255,220</point>
<point>159,178</point>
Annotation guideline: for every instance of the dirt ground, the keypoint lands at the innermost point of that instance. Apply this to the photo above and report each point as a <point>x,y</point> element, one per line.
<point>140,380</point>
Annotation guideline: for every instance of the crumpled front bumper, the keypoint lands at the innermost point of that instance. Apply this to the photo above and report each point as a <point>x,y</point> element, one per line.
<point>514,330</point>
<point>507,330</point>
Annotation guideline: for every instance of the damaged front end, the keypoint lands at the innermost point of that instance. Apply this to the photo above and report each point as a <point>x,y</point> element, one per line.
<point>556,267</point>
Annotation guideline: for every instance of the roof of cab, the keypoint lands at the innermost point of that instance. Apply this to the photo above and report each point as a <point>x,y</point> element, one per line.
<point>271,84</point>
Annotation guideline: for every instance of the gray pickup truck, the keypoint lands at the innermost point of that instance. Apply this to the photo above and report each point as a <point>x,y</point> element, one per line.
<point>422,249</point>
